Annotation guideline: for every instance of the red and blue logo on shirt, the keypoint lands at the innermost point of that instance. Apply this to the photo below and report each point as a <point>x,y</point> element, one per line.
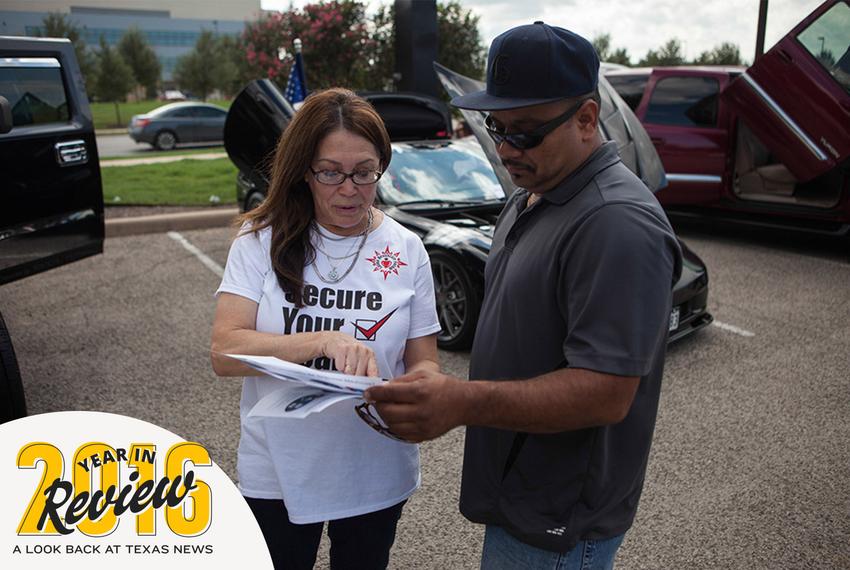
<point>386,262</point>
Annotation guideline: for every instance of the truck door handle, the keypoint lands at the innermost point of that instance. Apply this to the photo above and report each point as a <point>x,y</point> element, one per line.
<point>71,153</point>
<point>785,55</point>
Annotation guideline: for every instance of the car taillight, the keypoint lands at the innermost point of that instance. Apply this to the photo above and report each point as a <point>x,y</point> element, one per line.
<point>442,134</point>
<point>141,123</point>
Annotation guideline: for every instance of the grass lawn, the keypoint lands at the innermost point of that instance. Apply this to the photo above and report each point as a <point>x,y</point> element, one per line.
<point>104,113</point>
<point>184,183</point>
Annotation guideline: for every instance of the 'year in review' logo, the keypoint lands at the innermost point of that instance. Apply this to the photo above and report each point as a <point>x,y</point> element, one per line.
<point>107,485</point>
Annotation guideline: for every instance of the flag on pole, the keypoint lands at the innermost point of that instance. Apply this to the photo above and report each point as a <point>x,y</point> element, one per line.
<point>296,86</point>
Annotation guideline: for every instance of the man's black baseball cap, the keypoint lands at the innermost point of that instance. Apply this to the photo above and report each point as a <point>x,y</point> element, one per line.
<point>534,64</point>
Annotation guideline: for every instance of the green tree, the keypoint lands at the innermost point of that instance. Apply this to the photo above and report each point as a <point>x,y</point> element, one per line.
<point>233,73</point>
<point>341,46</point>
<point>827,58</point>
<point>381,50</point>
<point>621,56</point>
<point>669,54</point>
<point>602,45</point>
<point>200,70</point>
<point>726,53</point>
<point>114,77</point>
<point>58,25</point>
<point>142,60</point>
<point>335,39</point>
<point>459,44</point>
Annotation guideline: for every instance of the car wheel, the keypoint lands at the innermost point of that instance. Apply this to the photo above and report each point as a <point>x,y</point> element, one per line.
<point>457,301</point>
<point>12,400</point>
<point>165,140</point>
<point>253,200</point>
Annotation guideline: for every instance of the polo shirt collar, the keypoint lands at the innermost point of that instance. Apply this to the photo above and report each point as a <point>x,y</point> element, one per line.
<point>603,157</point>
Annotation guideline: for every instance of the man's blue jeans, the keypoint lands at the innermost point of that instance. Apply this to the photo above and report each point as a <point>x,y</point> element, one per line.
<point>504,552</point>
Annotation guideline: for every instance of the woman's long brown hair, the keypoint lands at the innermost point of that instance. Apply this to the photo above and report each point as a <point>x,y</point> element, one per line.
<point>288,207</point>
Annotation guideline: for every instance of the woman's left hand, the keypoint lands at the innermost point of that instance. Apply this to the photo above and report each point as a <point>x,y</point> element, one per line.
<point>349,355</point>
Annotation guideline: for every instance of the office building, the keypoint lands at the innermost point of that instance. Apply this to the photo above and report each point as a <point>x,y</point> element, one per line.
<point>171,27</point>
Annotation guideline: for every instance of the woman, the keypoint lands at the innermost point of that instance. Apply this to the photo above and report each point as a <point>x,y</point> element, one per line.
<point>319,276</point>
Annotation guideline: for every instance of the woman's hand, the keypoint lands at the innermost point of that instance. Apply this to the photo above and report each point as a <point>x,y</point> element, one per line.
<point>349,355</point>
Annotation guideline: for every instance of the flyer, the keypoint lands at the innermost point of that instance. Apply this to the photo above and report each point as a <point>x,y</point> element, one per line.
<point>304,391</point>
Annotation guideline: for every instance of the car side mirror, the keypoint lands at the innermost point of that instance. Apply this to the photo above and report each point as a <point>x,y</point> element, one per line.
<point>5,116</point>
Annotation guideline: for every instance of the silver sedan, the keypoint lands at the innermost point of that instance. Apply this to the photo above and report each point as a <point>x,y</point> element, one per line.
<point>177,123</point>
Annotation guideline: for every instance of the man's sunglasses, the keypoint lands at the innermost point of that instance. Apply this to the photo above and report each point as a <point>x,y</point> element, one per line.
<point>531,139</point>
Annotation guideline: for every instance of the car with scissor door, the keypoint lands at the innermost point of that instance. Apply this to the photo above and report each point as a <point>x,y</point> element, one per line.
<point>766,145</point>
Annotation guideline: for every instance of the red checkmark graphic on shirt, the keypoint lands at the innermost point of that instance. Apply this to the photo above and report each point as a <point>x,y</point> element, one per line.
<point>370,332</point>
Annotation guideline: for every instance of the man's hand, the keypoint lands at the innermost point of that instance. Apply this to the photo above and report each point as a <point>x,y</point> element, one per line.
<point>421,405</point>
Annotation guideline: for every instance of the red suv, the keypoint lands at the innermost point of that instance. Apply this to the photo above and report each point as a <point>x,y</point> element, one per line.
<point>766,145</point>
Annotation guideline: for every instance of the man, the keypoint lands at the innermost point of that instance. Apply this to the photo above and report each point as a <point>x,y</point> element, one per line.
<point>566,367</point>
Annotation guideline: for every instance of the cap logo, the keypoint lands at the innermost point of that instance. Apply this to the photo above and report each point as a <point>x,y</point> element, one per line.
<point>501,72</point>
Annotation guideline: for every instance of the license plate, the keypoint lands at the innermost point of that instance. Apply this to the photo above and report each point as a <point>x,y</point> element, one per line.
<point>674,319</point>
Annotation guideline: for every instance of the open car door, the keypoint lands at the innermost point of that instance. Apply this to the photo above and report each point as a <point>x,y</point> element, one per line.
<point>254,122</point>
<point>617,122</point>
<point>51,196</point>
<point>796,97</point>
<point>260,113</point>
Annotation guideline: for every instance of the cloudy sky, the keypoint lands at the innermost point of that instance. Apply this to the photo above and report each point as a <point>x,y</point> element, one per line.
<point>637,25</point>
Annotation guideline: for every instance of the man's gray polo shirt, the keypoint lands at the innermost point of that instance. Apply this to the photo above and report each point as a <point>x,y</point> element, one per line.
<point>581,279</point>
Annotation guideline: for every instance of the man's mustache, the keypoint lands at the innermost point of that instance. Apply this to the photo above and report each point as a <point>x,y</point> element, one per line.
<point>517,164</point>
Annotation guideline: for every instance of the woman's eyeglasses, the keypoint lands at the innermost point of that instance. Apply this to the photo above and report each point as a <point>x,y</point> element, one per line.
<point>335,177</point>
<point>531,139</point>
<point>368,414</point>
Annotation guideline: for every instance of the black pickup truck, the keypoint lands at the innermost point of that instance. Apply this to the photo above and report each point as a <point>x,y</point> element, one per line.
<point>51,198</point>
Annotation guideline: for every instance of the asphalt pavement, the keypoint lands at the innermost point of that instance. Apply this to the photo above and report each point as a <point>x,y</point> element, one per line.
<point>749,468</point>
<point>122,145</point>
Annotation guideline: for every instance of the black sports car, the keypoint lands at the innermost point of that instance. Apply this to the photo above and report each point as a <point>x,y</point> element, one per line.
<point>447,191</point>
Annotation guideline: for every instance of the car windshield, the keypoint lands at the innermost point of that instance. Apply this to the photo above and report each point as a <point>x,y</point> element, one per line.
<point>447,172</point>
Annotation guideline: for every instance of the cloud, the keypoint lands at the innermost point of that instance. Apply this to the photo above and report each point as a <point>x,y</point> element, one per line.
<point>642,25</point>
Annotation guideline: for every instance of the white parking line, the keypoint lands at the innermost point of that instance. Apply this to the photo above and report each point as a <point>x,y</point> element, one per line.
<point>209,263</point>
<point>733,329</point>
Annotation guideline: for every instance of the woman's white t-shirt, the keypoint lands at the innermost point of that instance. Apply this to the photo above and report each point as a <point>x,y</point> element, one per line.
<point>332,465</point>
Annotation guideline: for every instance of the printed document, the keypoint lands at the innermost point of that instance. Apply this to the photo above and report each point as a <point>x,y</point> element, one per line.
<point>306,391</point>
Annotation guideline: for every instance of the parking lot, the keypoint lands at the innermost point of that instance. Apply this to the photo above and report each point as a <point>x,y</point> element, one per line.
<point>750,466</point>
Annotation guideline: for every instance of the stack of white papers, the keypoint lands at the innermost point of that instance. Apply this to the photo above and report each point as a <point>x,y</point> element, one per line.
<point>306,390</point>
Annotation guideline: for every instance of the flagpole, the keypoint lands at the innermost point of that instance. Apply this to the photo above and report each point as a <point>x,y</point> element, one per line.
<point>297,44</point>
<point>296,85</point>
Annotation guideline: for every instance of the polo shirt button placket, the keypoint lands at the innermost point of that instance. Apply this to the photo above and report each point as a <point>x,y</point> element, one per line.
<point>515,230</point>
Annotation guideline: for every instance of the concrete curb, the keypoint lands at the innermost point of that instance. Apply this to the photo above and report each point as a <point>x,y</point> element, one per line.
<point>180,221</point>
